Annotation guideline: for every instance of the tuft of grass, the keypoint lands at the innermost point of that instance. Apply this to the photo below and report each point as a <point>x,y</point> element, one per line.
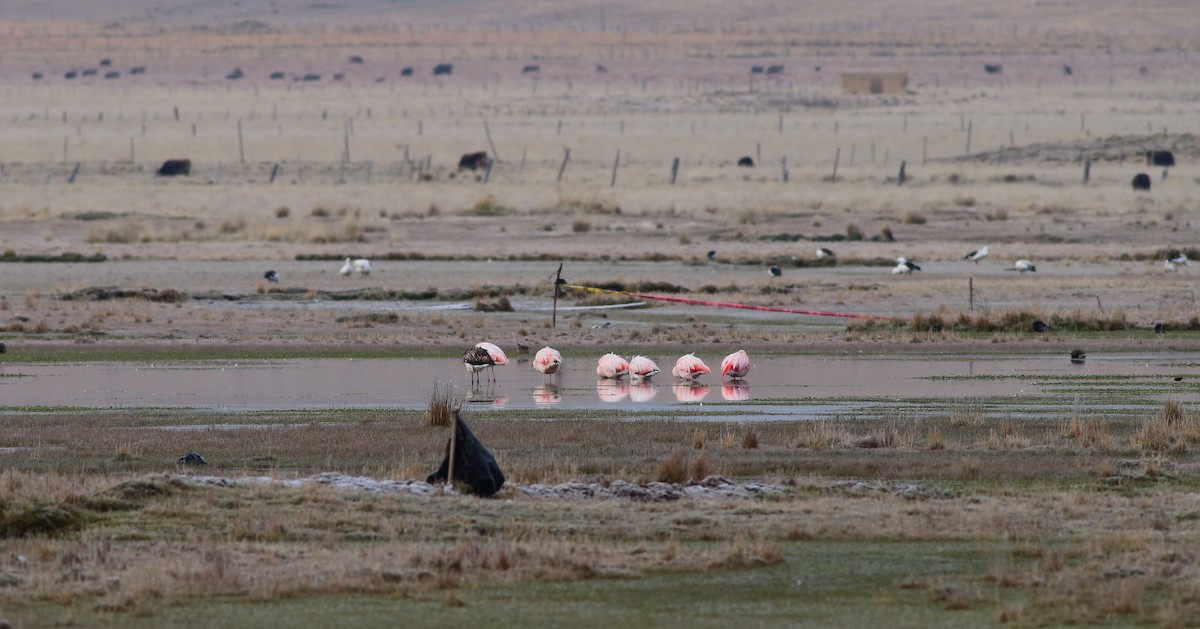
<point>749,440</point>
<point>581,226</point>
<point>936,440</point>
<point>674,469</point>
<point>913,218</point>
<point>1169,430</point>
<point>489,206</point>
<point>443,404</point>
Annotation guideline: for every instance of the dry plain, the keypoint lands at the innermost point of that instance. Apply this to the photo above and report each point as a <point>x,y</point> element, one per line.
<point>966,515</point>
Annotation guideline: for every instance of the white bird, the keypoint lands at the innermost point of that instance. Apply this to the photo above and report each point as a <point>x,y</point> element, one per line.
<point>824,252</point>
<point>903,265</point>
<point>363,266</point>
<point>1175,259</point>
<point>1025,265</point>
<point>347,268</point>
<point>547,361</point>
<point>642,368</point>
<point>977,255</point>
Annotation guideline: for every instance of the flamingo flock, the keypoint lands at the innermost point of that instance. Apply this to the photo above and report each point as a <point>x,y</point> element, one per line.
<point>549,361</point>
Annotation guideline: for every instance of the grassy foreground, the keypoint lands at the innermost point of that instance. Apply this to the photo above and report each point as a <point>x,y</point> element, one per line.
<point>958,519</point>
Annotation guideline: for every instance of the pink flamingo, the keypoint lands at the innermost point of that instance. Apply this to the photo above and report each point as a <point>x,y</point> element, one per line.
<point>547,361</point>
<point>688,367</point>
<point>642,368</point>
<point>611,366</point>
<point>735,365</point>
<point>496,354</point>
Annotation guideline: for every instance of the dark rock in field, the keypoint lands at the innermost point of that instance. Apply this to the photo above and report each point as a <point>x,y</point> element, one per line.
<point>192,458</point>
<point>474,464</point>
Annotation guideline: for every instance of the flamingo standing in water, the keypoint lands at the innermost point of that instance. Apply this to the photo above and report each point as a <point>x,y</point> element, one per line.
<point>642,368</point>
<point>495,353</point>
<point>735,365</point>
<point>688,367</point>
<point>547,361</point>
<point>611,366</point>
<point>476,360</point>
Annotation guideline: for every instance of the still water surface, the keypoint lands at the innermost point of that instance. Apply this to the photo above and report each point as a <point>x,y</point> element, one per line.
<point>791,385</point>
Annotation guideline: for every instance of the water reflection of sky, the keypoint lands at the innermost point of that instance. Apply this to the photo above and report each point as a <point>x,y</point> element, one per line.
<point>408,383</point>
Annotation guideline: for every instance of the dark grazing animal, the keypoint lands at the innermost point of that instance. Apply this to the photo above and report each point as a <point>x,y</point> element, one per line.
<point>746,162</point>
<point>89,72</point>
<point>277,75</point>
<point>70,75</point>
<point>1166,159</point>
<point>1068,71</point>
<point>407,71</point>
<point>776,69</point>
<point>137,70</point>
<point>474,464</point>
<point>3,348</point>
<point>235,75</point>
<point>443,68</point>
<point>356,59</point>
<point>1040,326</point>
<point>600,69</point>
<point>105,62</point>
<point>530,69</point>
<point>311,77</point>
<point>191,458</point>
<point>271,276</point>
<point>756,69</point>
<point>1141,181</point>
<point>37,76</point>
<point>473,161</point>
<point>175,167</point>
<point>112,75</point>
<point>993,68</point>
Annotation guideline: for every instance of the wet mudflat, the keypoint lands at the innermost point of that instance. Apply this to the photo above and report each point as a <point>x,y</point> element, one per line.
<point>781,386</point>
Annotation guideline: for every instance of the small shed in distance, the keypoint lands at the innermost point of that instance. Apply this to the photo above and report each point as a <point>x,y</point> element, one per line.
<point>874,82</point>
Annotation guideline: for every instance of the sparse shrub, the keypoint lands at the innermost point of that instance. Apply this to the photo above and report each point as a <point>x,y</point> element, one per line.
<point>699,466</point>
<point>913,218</point>
<point>699,439</point>
<point>964,201</point>
<point>853,232</point>
<point>749,440</point>
<point>936,440</point>
<point>580,226</point>
<point>319,212</point>
<point>489,206</point>
<point>283,211</point>
<point>674,469</point>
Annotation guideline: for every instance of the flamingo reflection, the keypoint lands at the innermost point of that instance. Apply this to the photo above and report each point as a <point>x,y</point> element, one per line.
<point>611,390</point>
<point>690,391</point>
<point>547,395</point>
<point>642,391</point>
<point>487,395</point>
<point>735,391</point>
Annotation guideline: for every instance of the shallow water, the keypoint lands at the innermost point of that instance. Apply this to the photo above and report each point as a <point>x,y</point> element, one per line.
<point>784,386</point>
